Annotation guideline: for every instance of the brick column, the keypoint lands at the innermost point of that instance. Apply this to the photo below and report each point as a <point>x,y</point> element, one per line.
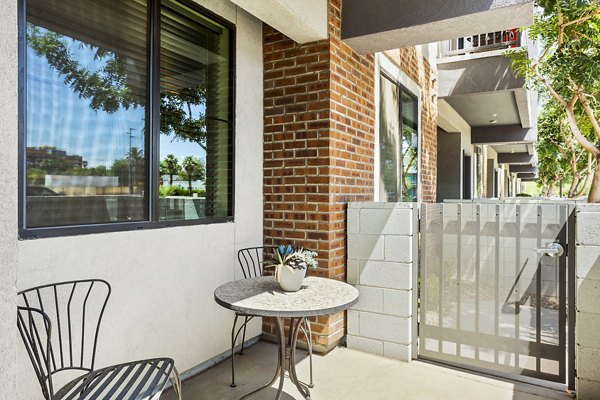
<point>318,150</point>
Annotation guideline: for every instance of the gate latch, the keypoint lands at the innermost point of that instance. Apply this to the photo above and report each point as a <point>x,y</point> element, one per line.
<point>553,250</point>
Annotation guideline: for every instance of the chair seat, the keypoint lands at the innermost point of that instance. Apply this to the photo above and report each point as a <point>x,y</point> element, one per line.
<point>137,380</point>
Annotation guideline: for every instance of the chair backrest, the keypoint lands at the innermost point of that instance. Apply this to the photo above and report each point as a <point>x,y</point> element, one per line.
<point>59,325</point>
<point>251,260</point>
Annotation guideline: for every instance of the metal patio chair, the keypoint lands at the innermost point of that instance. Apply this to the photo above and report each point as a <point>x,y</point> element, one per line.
<point>59,325</point>
<point>251,262</point>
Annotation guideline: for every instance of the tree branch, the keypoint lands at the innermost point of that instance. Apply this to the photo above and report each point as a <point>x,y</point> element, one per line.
<point>589,112</point>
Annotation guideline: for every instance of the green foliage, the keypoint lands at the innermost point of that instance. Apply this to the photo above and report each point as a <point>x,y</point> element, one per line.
<point>192,169</point>
<point>177,191</point>
<point>569,53</point>
<point>560,157</point>
<point>568,68</point>
<point>170,166</point>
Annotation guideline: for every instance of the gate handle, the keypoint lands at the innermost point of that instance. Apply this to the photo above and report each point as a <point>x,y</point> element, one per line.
<point>553,250</point>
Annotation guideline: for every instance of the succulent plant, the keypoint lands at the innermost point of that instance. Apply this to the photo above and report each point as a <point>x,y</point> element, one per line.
<point>293,257</point>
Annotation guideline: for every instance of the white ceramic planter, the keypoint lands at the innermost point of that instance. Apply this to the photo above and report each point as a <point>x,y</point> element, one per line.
<point>289,279</point>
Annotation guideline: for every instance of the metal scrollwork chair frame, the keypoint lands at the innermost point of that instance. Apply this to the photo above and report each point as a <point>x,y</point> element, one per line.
<point>251,263</point>
<point>59,324</point>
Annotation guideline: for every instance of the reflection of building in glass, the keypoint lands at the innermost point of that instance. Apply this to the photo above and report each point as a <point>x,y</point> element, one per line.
<point>41,157</point>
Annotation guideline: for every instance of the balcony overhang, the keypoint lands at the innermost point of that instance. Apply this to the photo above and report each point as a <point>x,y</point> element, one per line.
<point>379,25</point>
<point>303,21</point>
<point>483,89</point>
<point>527,177</point>
<point>523,169</point>
<point>517,158</point>
<point>497,135</point>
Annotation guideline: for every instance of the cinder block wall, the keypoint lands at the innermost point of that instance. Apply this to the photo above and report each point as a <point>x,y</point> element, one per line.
<point>587,334</point>
<point>381,259</point>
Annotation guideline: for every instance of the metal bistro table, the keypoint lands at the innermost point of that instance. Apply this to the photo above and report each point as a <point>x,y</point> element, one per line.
<point>263,297</point>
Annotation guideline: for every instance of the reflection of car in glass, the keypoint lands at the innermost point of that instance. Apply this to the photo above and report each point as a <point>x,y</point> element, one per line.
<point>36,190</point>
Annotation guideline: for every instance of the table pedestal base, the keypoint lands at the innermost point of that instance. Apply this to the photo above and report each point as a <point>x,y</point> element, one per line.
<point>286,361</point>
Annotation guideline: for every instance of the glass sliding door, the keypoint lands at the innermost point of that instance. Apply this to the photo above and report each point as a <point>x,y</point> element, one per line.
<point>398,143</point>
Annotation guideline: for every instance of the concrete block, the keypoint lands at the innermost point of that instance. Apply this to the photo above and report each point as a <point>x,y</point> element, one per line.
<point>587,390</point>
<point>371,299</point>
<point>387,221</point>
<point>587,331</point>
<point>588,363</point>
<point>366,204</point>
<point>353,317</point>
<point>386,274</point>
<point>588,296</point>
<point>352,222</point>
<point>588,232</point>
<point>588,262</point>
<point>352,272</point>
<point>398,249</point>
<point>385,327</point>
<point>588,208</point>
<point>365,247</point>
<point>364,344</point>
<point>397,302</point>
<point>397,351</point>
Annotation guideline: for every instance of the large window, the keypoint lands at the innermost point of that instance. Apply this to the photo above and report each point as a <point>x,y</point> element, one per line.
<point>126,116</point>
<point>398,143</point>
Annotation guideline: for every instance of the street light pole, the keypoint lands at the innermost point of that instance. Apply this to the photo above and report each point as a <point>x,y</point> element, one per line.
<point>130,134</point>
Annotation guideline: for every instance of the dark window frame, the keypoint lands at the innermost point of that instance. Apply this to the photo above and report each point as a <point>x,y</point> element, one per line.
<point>402,88</point>
<point>152,145</point>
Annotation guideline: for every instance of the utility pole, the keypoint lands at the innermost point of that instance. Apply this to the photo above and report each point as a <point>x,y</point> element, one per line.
<point>130,134</point>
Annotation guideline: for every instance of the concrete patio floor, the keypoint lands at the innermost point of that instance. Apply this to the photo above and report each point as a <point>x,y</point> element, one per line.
<point>349,374</point>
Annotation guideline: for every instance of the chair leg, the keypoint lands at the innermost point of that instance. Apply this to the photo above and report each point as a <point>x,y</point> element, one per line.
<point>233,337</point>
<point>244,335</point>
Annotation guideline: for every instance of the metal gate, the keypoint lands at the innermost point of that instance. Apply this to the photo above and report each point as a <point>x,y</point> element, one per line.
<point>494,287</point>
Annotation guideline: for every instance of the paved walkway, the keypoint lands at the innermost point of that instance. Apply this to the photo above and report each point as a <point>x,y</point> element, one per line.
<point>349,374</point>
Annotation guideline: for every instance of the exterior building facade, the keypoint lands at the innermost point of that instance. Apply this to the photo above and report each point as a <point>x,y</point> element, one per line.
<point>301,114</point>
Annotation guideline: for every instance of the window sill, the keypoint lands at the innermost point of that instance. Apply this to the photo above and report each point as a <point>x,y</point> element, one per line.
<point>62,231</point>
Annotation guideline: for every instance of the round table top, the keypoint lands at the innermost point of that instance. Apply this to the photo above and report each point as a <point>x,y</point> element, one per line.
<point>263,297</point>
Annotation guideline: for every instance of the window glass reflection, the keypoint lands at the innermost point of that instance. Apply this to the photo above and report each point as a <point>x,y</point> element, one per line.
<point>195,140</point>
<point>86,112</point>
<point>398,143</point>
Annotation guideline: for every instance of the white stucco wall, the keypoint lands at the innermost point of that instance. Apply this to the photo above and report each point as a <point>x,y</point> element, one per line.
<point>162,300</point>
<point>8,194</point>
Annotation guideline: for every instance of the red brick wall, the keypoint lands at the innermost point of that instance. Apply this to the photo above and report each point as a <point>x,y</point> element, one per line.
<point>319,144</point>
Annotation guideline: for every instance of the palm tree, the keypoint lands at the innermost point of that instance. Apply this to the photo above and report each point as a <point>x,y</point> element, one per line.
<point>192,169</point>
<point>135,157</point>
<point>170,166</point>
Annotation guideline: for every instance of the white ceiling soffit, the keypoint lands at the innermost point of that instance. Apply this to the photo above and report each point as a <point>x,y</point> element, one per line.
<point>301,20</point>
<point>378,25</point>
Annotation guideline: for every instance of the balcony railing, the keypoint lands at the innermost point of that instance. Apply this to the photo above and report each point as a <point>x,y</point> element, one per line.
<point>480,43</point>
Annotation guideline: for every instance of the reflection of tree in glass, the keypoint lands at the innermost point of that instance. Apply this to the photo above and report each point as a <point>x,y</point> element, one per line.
<point>170,166</point>
<point>409,163</point>
<point>177,117</point>
<point>111,86</point>
<point>388,164</point>
<point>106,88</point>
<point>192,170</point>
